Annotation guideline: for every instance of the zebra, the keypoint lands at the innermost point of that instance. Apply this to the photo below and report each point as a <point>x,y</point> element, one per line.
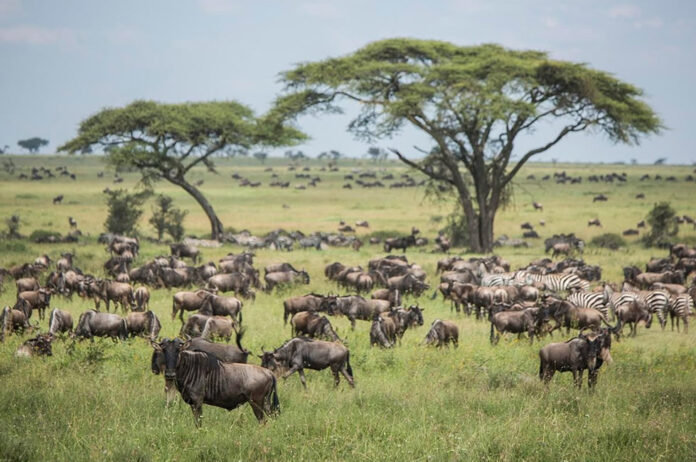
<point>497,279</point>
<point>681,306</point>
<point>657,301</point>
<point>556,282</point>
<point>596,300</point>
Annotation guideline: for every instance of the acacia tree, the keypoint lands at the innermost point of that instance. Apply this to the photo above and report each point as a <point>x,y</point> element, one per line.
<point>32,144</point>
<point>166,141</point>
<point>475,103</point>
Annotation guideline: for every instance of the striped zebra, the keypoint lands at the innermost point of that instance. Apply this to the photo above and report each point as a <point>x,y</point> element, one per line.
<point>680,307</point>
<point>596,300</point>
<point>657,301</point>
<point>556,282</point>
<point>497,279</point>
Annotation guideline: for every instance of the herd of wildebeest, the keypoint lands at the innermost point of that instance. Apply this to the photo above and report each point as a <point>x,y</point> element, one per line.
<point>540,299</point>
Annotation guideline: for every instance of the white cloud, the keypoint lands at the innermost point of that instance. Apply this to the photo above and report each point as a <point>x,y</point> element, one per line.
<point>36,35</point>
<point>624,11</point>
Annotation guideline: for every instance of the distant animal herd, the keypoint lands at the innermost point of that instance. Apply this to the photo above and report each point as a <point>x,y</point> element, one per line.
<point>542,298</point>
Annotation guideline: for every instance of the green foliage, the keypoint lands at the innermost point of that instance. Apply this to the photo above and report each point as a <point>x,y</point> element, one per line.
<point>457,230</point>
<point>472,102</point>
<point>32,144</point>
<point>124,211</point>
<point>167,218</point>
<point>377,154</point>
<point>261,156</point>
<point>608,241</point>
<point>663,226</point>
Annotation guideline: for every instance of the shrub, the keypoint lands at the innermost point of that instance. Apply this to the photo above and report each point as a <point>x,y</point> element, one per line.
<point>13,223</point>
<point>167,218</point>
<point>663,225</point>
<point>608,241</point>
<point>124,210</point>
<point>457,230</point>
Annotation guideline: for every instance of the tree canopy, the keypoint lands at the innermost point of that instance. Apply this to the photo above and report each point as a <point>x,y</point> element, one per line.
<point>32,144</point>
<point>165,141</point>
<point>473,103</point>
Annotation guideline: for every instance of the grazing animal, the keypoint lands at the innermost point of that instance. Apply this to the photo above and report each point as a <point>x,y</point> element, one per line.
<point>34,300</point>
<point>188,301</point>
<point>309,302</point>
<point>285,277</point>
<point>181,250</point>
<point>59,321</point>
<point>538,206</point>
<point>313,325</point>
<point>146,324</point>
<point>516,322</point>
<point>222,306</point>
<point>120,293</point>
<point>600,198</point>
<point>202,378</point>
<point>355,307</point>
<point>577,354</point>
<point>142,298</point>
<point>12,320</point>
<point>561,248</point>
<point>58,199</point>
<point>378,335</point>
<point>237,282</point>
<point>65,263</point>
<point>300,352</point>
<point>441,333</point>
<point>594,222</point>
<point>218,327</point>
<point>72,222</point>
<point>681,307</point>
<point>95,324</point>
<point>27,284</point>
<point>194,325</point>
<point>37,346</point>
<point>632,313</point>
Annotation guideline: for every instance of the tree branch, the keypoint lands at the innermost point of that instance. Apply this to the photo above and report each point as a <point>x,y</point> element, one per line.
<point>420,168</point>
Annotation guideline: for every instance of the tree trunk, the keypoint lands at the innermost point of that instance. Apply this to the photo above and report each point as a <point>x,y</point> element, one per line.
<point>216,229</point>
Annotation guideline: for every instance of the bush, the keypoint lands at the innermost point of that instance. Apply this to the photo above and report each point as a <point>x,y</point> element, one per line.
<point>457,230</point>
<point>124,211</point>
<point>167,218</point>
<point>608,241</point>
<point>663,226</point>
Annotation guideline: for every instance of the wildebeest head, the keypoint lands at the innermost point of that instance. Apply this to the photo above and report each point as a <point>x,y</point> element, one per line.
<point>594,346</point>
<point>433,334</point>
<point>415,315</point>
<point>329,304</point>
<point>165,356</point>
<point>305,277</point>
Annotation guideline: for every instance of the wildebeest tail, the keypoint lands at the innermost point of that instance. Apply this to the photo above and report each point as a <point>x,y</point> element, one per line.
<point>434,295</point>
<point>492,332</point>
<point>239,313</point>
<point>238,339</point>
<point>285,313</point>
<point>348,368</point>
<point>123,334</point>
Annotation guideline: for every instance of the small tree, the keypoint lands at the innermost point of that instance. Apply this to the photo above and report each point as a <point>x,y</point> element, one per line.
<point>124,210</point>
<point>261,156</point>
<point>32,144</point>
<point>4,149</point>
<point>663,225</point>
<point>661,161</point>
<point>13,224</point>
<point>376,154</point>
<point>167,219</point>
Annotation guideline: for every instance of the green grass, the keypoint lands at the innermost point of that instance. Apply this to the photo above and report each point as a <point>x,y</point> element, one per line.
<point>101,402</point>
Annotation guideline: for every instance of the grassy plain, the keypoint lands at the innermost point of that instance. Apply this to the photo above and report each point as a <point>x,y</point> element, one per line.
<point>101,402</point>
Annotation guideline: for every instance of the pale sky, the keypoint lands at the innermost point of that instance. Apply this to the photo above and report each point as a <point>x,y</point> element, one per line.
<point>64,60</point>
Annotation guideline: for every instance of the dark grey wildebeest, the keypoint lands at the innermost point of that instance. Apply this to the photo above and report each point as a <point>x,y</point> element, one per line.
<point>441,333</point>
<point>146,324</point>
<point>59,321</point>
<point>313,325</point>
<point>300,352</point>
<point>285,278</point>
<point>577,354</point>
<point>355,307</point>
<point>202,378</point>
<point>95,324</point>
<point>516,322</point>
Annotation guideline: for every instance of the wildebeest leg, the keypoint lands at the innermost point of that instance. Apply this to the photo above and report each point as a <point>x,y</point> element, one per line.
<point>337,379</point>
<point>592,379</point>
<point>257,407</point>
<point>169,390</point>
<point>352,323</point>
<point>455,342</point>
<point>197,410</point>
<point>345,373</point>
<point>577,376</point>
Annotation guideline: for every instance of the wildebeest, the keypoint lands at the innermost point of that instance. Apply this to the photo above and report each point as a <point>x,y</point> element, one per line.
<point>188,301</point>
<point>280,268</point>
<point>37,300</point>
<point>24,271</point>
<point>12,320</point>
<point>202,378</point>
<point>66,262</point>
<point>222,306</point>
<point>378,336</point>
<point>594,222</point>
<point>218,327</point>
<point>561,248</point>
<point>95,324</point>
<point>27,284</point>
<point>37,346</point>
<point>146,324</point>
<point>516,322</point>
<point>600,198</point>
<point>632,313</point>
<point>355,307</point>
<point>285,277</point>
<point>309,302</point>
<point>538,206</point>
<point>392,296</point>
<point>194,325</point>
<point>301,352</point>
<point>567,315</point>
<point>577,354</point>
<point>237,282</point>
<point>43,261</point>
<point>58,199</point>
<point>181,250</point>
<point>120,293</point>
<point>402,243</point>
<point>142,298</point>
<point>313,325</point>
<point>59,321</point>
<point>441,333</point>
<point>407,283</point>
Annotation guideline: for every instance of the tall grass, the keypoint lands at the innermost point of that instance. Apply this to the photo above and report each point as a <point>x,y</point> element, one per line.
<point>99,400</point>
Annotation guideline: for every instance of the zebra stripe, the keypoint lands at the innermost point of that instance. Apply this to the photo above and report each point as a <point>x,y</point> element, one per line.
<point>556,282</point>
<point>497,279</point>
<point>594,300</point>
<point>656,300</point>
<point>680,307</point>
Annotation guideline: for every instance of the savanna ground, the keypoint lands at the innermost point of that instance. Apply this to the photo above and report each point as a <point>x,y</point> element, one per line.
<point>99,401</point>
